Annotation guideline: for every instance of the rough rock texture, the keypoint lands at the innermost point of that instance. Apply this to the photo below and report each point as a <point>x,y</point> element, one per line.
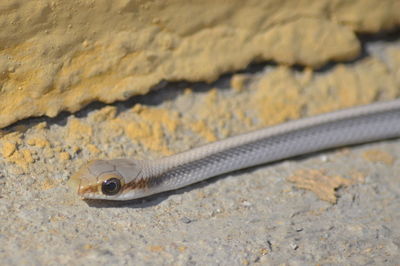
<point>60,55</point>
<point>338,208</point>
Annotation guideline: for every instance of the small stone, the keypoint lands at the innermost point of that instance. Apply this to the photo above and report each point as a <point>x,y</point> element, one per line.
<point>27,155</point>
<point>75,149</point>
<point>38,142</point>
<point>246,203</point>
<point>64,156</point>
<point>8,149</point>
<point>186,220</point>
<point>93,149</point>
<point>238,81</point>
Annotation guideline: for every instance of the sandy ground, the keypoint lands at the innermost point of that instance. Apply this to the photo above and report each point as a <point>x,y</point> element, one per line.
<point>337,207</point>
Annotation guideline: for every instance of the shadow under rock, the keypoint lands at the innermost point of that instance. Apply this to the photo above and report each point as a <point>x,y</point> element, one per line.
<point>162,92</point>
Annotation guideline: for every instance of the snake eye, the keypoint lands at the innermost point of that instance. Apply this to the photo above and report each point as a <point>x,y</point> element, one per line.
<point>111,186</point>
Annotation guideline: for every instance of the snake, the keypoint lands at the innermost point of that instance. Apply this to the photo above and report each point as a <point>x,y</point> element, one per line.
<point>128,179</point>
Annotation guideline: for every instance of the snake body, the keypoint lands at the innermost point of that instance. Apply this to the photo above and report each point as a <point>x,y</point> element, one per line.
<point>125,179</point>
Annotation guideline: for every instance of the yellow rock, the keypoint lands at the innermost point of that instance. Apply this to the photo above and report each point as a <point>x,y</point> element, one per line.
<point>374,155</point>
<point>56,57</point>
<point>64,156</point>
<point>93,149</point>
<point>78,130</point>
<point>323,185</point>
<point>8,149</point>
<point>27,155</point>
<point>38,142</point>
<point>238,81</point>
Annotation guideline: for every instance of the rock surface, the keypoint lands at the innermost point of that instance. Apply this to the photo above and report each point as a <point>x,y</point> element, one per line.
<point>61,55</point>
<point>338,207</point>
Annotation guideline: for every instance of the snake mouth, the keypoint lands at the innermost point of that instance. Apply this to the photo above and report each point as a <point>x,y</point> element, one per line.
<point>75,184</point>
<point>83,182</point>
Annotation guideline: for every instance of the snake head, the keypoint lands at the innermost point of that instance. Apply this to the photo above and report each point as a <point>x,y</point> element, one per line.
<point>101,179</point>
